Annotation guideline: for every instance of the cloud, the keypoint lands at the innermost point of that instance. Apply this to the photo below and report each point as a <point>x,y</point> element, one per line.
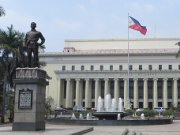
<point>66,25</point>
<point>19,21</point>
<point>81,7</point>
<point>135,7</point>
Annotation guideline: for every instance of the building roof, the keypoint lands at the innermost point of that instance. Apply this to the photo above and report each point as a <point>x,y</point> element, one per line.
<point>142,46</point>
<point>142,43</point>
<point>113,52</point>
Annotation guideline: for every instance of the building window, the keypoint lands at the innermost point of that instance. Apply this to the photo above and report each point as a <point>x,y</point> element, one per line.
<point>82,68</point>
<point>120,67</point>
<point>130,67</point>
<point>101,67</point>
<point>140,67</point>
<point>111,67</point>
<point>63,68</point>
<point>92,67</point>
<point>170,67</point>
<point>160,67</point>
<point>150,67</point>
<point>73,67</point>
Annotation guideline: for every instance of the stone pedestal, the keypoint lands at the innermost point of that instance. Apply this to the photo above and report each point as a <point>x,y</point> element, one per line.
<point>29,109</point>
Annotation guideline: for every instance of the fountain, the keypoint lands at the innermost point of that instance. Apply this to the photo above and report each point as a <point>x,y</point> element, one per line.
<point>109,109</point>
<point>110,112</point>
<point>80,116</point>
<point>120,105</point>
<point>73,117</point>
<point>88,116</point>
<point>142,116</point>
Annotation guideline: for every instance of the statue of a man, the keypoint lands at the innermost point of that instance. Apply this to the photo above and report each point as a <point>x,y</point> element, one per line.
<point>31,42</point>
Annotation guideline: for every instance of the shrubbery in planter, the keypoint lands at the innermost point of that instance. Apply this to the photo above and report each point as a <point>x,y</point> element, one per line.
<point>129,111</point>
<point>168,112</point>
<point>148,113</point>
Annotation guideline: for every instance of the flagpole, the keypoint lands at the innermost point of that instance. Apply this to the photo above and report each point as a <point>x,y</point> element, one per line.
<point>128,102</point>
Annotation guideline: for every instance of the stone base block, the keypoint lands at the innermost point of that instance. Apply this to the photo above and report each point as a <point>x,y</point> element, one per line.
<point>23,126</point>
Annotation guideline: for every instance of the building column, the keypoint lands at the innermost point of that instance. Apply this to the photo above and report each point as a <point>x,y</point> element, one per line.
<point>165,105</point>
<point>116,91</point>
<point>59,92</point>
<point>136,102</point>
<point>145,93</point>
<point>97,92</point>
<point>155,93</point>
<point>90,93</point>
<point>175,92</point>
<point>106,87</point>
<point>78,104</point>
<point>68,94</point>
<point>126,98</point>
<point>81,91</point>
<point>87,94</point>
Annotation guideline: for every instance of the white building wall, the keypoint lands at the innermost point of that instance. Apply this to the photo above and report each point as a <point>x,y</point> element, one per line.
<point>55,61</point>
<point>52,88</point>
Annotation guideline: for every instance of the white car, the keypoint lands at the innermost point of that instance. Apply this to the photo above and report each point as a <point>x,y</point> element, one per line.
<point>159,109</point>
<point>139,110</point>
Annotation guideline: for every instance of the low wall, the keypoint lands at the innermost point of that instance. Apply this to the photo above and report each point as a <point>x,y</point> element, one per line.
<point>110,122</point>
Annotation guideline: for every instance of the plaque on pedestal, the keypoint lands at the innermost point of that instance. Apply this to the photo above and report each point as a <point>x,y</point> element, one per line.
<point>25,99</point>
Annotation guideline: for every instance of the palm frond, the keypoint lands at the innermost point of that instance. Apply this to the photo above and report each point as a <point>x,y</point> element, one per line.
<point>178,54</point>
<point>178,43</point>
<point>12,52</point>
<point>2,11</point>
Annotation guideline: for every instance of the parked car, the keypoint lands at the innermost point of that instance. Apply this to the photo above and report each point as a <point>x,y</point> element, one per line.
<point>159,109</point>
<point>78,109</point>
<point>139,110</point>
<point>60,109</point>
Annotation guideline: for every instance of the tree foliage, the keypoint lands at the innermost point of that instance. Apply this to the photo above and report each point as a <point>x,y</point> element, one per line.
<point>12,55</point>
<point>12,52</point>
<point>2,11</point>
<point>48,106</point>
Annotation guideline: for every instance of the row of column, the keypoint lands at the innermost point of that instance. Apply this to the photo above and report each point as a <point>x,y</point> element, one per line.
<point>88,92</point>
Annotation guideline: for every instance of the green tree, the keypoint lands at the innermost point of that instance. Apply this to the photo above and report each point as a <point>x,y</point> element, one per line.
<point>12,55</point>
<point>12,52</point>
<point>48,106</point>
<point>2,11</point>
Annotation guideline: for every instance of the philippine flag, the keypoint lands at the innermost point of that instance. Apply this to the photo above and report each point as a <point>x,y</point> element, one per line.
<point>134,24</point>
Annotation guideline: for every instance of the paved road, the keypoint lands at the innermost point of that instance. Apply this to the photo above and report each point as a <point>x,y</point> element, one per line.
<point>169,129</point>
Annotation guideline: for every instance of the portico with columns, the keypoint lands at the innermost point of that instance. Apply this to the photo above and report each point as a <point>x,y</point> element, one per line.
<point>87,88</point>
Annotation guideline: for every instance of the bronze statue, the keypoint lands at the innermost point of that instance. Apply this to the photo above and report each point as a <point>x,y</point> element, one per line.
<point>31,42</point>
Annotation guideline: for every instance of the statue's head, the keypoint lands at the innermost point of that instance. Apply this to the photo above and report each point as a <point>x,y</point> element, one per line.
<point>33,25</point>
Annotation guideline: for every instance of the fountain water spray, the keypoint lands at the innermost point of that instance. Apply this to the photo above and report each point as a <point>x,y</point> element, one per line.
<point>109,105</point>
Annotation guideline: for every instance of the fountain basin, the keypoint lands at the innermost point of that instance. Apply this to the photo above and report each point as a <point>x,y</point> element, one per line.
<point>108,115</point>
<point>111,122</point>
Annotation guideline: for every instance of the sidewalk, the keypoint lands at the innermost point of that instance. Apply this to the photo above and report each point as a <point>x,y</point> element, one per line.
<point>169,129</point>
<point>50,130</point>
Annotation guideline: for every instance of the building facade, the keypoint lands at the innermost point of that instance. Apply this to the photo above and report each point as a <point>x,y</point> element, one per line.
<point>87,69</point>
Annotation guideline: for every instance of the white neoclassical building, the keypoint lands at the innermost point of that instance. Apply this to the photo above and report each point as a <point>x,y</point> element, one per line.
<point>87,69</point>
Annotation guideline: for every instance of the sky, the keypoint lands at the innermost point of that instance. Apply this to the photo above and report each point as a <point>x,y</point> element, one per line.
<point>60,20</point>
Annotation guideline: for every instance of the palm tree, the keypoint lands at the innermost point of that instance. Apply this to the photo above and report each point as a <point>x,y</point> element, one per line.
<point>178,53</point>
<point>2,11</point>
<point>12,56</point>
